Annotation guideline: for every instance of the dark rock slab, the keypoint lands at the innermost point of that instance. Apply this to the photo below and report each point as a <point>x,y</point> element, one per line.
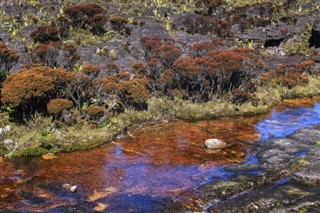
<point>243,168</point>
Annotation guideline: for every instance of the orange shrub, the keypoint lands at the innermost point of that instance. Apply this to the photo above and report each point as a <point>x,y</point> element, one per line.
<point>94,111</point>
<point>56,106</point>
<point>31,89</point>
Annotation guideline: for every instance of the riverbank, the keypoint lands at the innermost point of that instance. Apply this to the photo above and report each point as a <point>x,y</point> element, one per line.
<point>42,136</point>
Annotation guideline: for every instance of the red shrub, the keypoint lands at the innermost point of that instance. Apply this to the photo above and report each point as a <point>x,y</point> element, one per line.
<point>56,55</point>
<point>98,22</point>
<point>202,24</point>
<point>167,54</point>
<point>202,48</point>
<point>154,68</point>
<point>149,44</point>
<point>118,23</point>
<point>139,69</point>
<point>81,14</point>
<point>63,25</point>
<point>240,96</point>
<point>45,34</point>
<point>218,72</point>
<point>285,76</point>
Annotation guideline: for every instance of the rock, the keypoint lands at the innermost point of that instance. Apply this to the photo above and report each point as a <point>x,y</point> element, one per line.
<point>9,144</point>
<point>98,194</point>
<point>275,160</point>
<point>243,168</point>
<point>69,187</point>
<point>100,207</point>
<point>309,170</point>
<point>7,128</point>
<point>49,156</point>
<point>215,144</point>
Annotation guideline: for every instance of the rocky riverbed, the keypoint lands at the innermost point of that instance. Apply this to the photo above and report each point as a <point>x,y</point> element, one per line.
<point>288,180</point>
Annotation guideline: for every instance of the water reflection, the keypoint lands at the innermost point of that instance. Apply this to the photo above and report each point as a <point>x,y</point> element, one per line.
<point>280,124</point>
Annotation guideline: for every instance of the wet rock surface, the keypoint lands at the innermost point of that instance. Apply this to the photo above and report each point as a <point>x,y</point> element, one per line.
<point>289,183</point>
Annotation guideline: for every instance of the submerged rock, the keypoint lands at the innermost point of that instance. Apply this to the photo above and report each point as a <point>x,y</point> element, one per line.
<point>100,207</point>
<point>69,187</point>
<point>243,168</point>
<point>98,194</point>
<point>214,143</point>
<point>49,156</point>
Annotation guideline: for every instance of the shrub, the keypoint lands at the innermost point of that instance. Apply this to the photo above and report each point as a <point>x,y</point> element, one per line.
<point>138,69</point>
<point>63,25</point>
<point>209,7</point>
<point>218,72</point>
<point>45,34</point>
<point>200,24</point>
<point>118,23</point>
<point>31,89</point>
<point>91,70</point>
<point>94,112</point>
<point>8,58</point>
<point>55,54</point>
<point>133,93</point>
<point>167,54</point>
<point>149,44</point>
<point>202,48</point>
<point>120,89</point>
<point>57,106</point>
<point>239,96</point>
<point>97,24</point>
<point>285,76</point>
<point>81,15</point>
<point>82,90</point>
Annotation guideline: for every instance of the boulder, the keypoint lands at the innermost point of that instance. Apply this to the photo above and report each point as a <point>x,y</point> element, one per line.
<point>214,143</point>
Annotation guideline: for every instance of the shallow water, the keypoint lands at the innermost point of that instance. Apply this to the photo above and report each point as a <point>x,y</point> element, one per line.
<point>157,162</point>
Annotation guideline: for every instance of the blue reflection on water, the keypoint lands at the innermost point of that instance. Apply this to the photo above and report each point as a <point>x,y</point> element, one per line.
<point>281,124</point>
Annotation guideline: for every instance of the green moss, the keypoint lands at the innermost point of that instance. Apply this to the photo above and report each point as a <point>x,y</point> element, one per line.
<point>35,151</point>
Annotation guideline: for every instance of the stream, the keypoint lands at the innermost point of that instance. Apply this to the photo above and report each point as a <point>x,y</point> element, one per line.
<point>154,165</point>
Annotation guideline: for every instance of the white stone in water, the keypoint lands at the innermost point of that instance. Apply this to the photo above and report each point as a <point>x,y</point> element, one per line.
<point>69,187</point>
<point>214,143</point>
